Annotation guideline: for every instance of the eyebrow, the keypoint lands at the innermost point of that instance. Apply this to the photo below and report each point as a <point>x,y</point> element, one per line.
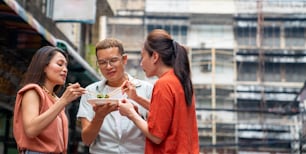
<point>108,58</point>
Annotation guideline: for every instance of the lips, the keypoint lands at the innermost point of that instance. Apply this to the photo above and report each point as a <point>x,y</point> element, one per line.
<point>64,76</point>
<point>111,73</point>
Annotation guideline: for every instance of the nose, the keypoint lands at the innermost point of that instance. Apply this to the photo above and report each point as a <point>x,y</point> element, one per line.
<point>108,64</point>
<point>65,69</point>
<point>140,63</point>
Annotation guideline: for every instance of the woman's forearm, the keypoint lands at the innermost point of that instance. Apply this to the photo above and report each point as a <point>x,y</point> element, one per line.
<point>143,126</point>
<point>143,102</point>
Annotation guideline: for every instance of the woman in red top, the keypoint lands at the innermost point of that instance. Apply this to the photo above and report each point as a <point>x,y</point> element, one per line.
<point>40,124</point>
<point>172,124</point>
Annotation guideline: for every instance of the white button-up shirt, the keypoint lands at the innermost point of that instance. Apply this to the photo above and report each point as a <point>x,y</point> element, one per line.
<point>128,139</point>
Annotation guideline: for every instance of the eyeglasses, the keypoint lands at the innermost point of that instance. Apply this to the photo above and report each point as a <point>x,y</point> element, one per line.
<point>104,62</point>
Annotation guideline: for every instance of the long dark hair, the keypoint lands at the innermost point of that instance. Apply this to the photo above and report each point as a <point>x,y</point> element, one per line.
<point>174,55</point>
<point>35,72</point>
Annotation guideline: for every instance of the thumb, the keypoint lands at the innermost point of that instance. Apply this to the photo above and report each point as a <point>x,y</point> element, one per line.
<point>123,101</point>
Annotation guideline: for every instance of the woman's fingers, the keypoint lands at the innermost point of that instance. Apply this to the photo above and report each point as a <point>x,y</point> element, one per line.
<point>73,91</point>
<point>125,107</point>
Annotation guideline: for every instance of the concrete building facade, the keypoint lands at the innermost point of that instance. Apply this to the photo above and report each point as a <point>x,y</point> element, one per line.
<point>248,66</point>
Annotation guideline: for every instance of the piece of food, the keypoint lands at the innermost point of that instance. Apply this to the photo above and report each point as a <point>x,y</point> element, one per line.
<point>102,96</point>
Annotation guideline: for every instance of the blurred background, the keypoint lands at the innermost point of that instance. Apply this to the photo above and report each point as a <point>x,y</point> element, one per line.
<point>248,62</point>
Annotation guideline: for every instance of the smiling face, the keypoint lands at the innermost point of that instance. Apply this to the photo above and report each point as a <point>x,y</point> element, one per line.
<point>56,71</point>
<point>111,64</point>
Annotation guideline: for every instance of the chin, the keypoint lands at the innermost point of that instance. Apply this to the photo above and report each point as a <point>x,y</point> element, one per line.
<point>148,75</point>
<point>62,83</point>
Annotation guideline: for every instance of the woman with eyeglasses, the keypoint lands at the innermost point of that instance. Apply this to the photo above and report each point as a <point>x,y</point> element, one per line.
<point>104,130</point>
<point>40,124</point>
<point>172,125</point>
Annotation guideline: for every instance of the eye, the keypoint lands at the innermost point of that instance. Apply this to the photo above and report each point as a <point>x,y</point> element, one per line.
<point>101,62</point>
<point>113,60</point>
<point>60,63</point>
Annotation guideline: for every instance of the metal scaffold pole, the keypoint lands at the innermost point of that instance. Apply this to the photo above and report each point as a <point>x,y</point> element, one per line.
<point>261,64</point>
<point>213,99</point>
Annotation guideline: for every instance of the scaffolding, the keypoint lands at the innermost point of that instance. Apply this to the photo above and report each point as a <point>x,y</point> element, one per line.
<point>265,49</point>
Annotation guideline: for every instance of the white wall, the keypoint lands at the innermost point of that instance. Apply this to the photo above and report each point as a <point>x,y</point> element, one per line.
<point>213,36</point>
<point>191,6</point>
<point>226,77</point>
<point>71,31</point>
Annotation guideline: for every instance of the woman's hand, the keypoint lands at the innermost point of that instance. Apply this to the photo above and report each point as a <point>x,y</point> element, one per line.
<point>127,109</point>
<point>72,92</point>
<point>129,88</point>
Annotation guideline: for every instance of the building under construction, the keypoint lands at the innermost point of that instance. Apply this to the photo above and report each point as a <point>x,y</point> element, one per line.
<point>270,62</point>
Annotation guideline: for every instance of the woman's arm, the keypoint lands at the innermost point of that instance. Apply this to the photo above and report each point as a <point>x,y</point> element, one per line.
<point>127,109</point>
<point>142,101</point>
<point>34,123</point>
<point>130,89</point>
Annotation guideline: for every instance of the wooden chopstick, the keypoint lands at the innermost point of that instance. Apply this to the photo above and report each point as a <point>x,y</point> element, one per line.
<point>114,92</point>
<point>92,93</point>
<point>117,90</point>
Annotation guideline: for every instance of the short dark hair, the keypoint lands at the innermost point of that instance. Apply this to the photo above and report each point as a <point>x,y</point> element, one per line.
<point>108,43</point>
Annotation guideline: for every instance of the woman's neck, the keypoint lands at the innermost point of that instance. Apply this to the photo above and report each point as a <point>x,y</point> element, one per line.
<point>48,87</point>
<point>163,70</point>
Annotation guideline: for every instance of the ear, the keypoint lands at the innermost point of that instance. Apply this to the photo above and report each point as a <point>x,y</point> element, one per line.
<point>155,57</point>
<point>124,58</point>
